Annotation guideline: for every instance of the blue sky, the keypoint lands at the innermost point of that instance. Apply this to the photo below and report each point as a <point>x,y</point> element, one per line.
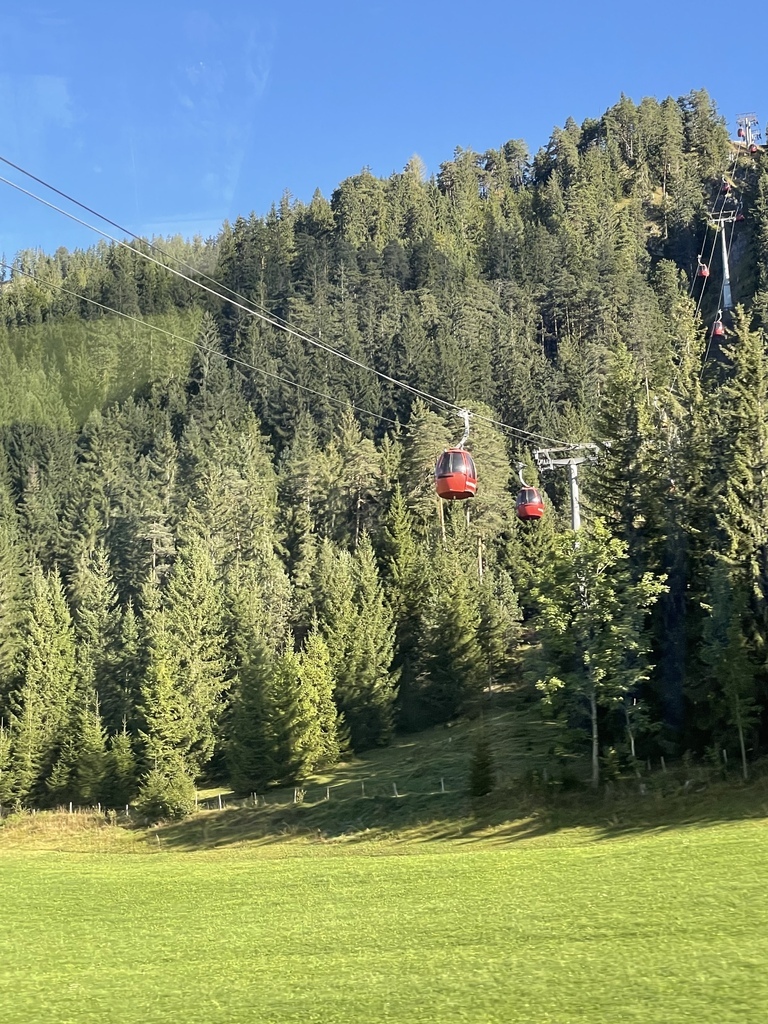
<point>170,117</point>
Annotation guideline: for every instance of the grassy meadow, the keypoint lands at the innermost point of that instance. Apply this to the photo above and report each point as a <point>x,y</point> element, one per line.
<point>644,903</point>
<point>667,925</point>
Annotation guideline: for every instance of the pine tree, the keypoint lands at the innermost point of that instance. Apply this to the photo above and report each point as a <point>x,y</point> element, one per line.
<point>591,624</point>
<point>120,784</point>
<point>455,674</point>
<point>408,591</point>
<point>96,625</point>
<point>194,651</point>
<point>7,780</point>
<point>357,625</point>
<point>481,772</point>
<point>731,671</point>
<point>45,697</point>
<point>319,743</point>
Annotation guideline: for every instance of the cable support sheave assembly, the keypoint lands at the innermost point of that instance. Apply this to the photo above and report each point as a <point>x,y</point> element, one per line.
<point>717,220</point>
<point>249,307</point>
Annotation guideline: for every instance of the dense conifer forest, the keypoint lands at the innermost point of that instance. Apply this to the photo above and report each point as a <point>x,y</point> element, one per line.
<point>222,553</point>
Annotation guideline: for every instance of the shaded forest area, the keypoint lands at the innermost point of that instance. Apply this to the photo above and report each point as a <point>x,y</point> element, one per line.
<point>222,554</point>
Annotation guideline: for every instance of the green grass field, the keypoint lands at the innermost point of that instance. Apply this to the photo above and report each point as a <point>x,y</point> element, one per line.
<point>668,925</point>
<point>645,902</point>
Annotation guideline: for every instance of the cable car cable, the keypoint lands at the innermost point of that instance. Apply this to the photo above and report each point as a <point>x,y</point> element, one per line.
<point>719,197</point>
<point>719,298</point>
<point>723,197</point>
<point>276,321</point>
<point>144,241</point>
<point>200,347</point>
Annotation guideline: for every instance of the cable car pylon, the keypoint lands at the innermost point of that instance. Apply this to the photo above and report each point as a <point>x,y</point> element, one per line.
<point>718,224</point>
<point>572,457</point>
<point>746,133</point>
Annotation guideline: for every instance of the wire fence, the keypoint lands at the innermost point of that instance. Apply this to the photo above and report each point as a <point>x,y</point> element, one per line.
<point>368,788</point>
<point>372,788</point>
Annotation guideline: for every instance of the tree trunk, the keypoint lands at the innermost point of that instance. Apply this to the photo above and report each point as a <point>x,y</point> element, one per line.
<point>629,732</point>
<point>595,739</point>
<point>742,745</point>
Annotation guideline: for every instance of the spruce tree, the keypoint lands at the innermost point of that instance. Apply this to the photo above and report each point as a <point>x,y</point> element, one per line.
<point>730,667</point>
<point>426,436</point>
<point>7,786</point>
<point>12,564</point>
<point>120,782</point>
<point>195,653</point>
<point>455,674</point>
<point>592,627</point>
<point>481,771</point>
<point>318,743</point>
<point>369,713</point>
<point>499,628</point>
<point>357,625</point>
<point>43,703</point>
<point>264,721</point>
<point>97,622</point>
<point>90,764</point>
<point>408,590</point>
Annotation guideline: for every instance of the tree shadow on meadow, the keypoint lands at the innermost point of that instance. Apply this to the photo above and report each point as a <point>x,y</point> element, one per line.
<point>418,817</point>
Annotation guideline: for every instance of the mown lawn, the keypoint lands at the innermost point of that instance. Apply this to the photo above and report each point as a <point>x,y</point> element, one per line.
<point>665,926</point>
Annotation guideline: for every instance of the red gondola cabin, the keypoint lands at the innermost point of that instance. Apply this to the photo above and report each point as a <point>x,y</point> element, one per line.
<point>718,331</point>
<point>455,475</point>
<point>703,270</point>
<point>529,504</point>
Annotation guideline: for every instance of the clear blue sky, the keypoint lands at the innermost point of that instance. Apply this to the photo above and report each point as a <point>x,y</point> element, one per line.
<point>171,116</point>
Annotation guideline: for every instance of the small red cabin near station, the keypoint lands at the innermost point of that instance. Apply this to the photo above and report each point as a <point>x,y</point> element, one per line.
<point>529,504</point>
<point>455,475</point>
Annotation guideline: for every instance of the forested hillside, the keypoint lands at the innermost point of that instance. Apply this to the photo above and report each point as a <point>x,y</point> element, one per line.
<point>222,554</point>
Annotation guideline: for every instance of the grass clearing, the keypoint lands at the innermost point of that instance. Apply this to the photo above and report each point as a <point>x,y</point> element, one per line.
<point>645,902</point>
<point>661,926</point>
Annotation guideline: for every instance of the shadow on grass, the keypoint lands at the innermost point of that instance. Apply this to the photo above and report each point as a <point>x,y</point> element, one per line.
<point>415,792</point>
<point>510,815</point>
